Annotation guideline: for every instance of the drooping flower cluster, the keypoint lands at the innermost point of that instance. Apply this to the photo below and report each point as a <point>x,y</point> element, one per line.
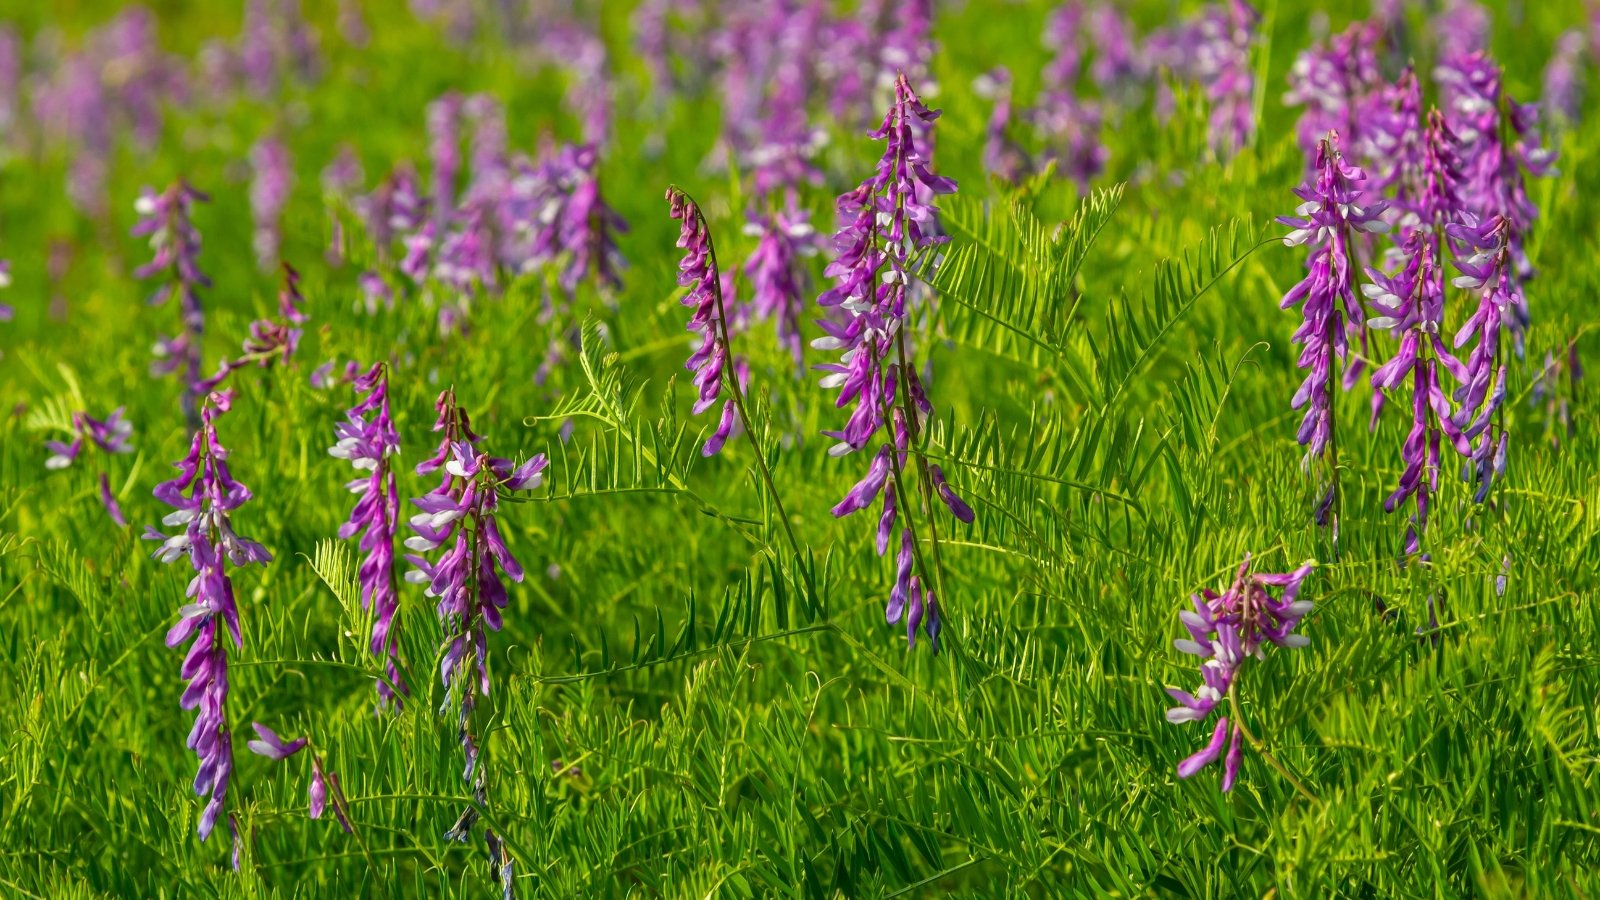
<point>270,181</point>
<point>882,224</point>
<point>698,271</point>
<point>267,743</point>
<point>1411,304</point>
<point>1224,631</point>
<point>458,517</point>
<point>270,341</point>
<point>368,439</point>
<point>204,497</point>
<point>1333,212</point>
<point>1486,258</point>
<point>1498,143</point>
<point>167,220</point>
<point>109,435</point>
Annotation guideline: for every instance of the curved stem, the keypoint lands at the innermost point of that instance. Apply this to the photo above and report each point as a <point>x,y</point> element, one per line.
<point>1260,748</point>
<point>731,380</point>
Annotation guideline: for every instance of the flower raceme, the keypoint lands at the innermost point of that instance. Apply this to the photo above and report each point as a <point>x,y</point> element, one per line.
<point>459,515</point>
<point>699,272</point>
<point>368,439</point>
<point>1334,209</point>
<point>883,223</point>
<point>1226,630</point>
<point>166,219</point>
<point>203,498</point>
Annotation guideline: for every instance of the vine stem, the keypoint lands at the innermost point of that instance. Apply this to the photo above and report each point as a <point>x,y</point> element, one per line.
<point>731,379</point>
<point>1261,748</point>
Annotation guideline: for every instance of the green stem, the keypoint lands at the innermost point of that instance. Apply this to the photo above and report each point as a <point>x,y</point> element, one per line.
<point>731,380</point>
<point>1260,748</point>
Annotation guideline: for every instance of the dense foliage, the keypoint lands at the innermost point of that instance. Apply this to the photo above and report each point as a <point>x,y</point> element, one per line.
<point>587,622</point>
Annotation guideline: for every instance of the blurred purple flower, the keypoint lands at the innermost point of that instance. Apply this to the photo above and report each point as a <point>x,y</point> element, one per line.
<point>1563,78</point>
<point>166,219</point>
<point>269,193</point>
<point>777,273</point>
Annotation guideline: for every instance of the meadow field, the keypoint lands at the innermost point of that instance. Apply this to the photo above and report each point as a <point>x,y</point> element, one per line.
<point>816,448</point>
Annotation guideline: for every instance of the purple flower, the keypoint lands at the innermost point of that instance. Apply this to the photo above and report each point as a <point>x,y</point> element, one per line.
<point>457,521</point>
<point>1563,78</point>
<point>444,149</point>
<point>1002,155</point>
<point>368,439</point>
<point>777,273</point>
<point>165,219</point>
<point>203,498</point>
<point>268,744</point>
<point>6,312</point>
<point>1225,630</point>
<point>270,341</point>
<point>1498,141</point>
<point>1488,266</point>
<point>1461,28</point>
<point>882,223</point>
<point>1339,84</point>
<point>273,747</point>
<point>269,193</point>
<point>698,271</point>
<point>568,220</point>
<point>110,435</point>
<point>1411,304</point>
<point>1224,72</point>
<point>1333,211</point>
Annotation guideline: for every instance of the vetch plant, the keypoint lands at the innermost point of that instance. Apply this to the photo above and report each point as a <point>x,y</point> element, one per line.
<point>167,220</point>
<point>204,497</point>
<point>1225,631</point>
<point>883,223</point>
<point>368,439</point>
<point>460,516</point>
<point>1333,211</point>
<point>109,435</point>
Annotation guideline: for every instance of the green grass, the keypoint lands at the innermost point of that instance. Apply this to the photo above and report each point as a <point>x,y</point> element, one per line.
<point>736,736</point>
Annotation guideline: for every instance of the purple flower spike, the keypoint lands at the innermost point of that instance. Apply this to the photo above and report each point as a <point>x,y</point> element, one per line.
<point>269,194</point>
<point>1411,304</point>
<point>456,522</point>
<point>698,271</point>
<point>203,497</point>
<point>1225,630</point>
<point>165,219</point>
<point>1498,143</point>
<point>1333,212</point>
<point>368,439</point>
<point>883,224</point>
